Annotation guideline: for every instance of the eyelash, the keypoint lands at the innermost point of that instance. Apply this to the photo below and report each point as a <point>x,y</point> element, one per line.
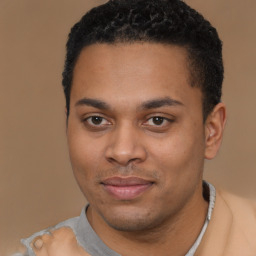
<point>165,122</point>
<point>163,119</point>
<point>86,120</point>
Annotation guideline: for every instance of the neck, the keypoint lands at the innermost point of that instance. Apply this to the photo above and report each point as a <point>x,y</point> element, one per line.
<point>175,235</point>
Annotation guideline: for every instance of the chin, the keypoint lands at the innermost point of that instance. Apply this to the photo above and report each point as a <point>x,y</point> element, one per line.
<point>131,221</point>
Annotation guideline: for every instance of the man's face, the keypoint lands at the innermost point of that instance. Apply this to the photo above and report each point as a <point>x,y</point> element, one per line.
<point>136,134</point>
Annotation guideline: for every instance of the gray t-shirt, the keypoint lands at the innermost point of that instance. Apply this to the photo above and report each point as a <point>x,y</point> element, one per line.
<point>90,241</point>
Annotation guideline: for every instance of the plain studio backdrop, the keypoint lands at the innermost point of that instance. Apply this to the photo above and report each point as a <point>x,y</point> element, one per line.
<point>37,188</point>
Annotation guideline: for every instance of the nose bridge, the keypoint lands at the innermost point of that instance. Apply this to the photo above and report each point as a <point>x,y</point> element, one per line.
<point>125,145</point>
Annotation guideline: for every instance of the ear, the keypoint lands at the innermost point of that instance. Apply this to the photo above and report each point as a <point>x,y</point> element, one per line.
<point>214,128</point>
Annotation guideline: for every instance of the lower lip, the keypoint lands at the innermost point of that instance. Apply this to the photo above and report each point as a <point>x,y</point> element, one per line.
<point>127,192</point>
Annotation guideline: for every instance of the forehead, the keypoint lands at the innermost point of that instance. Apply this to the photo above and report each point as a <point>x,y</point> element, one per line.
<point>136,70</point>
<point>133,57</point>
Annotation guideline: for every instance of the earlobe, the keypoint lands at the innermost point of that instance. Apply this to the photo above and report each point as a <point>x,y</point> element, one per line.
<point>214,128</point>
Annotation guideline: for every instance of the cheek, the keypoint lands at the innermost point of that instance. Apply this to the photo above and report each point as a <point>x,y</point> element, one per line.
<point>180,163</point>
<point>181,155</point>
<point>84,157</point>
<point>84,154</point>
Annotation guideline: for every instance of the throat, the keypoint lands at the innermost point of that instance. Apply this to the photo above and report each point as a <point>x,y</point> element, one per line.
<point>176,238</point>
<point>175,234</point>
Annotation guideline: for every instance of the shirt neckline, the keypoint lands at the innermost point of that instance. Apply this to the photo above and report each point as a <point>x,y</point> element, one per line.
<point>92,243</point>
<point>212,197</point>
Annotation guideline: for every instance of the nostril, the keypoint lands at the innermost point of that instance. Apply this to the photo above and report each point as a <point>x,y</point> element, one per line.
<point>123,161</point>
<point>126,159</point>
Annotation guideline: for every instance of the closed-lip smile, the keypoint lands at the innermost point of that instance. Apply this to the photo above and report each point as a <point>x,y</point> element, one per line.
<point>126,188</point>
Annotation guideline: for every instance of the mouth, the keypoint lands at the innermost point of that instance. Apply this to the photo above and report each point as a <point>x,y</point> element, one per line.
<point>127,188</point>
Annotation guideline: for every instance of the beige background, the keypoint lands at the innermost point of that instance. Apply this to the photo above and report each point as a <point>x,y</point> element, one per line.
<point>37,188</point>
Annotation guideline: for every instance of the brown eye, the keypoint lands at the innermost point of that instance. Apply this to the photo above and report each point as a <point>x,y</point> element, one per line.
<point>96,120</point>
<point>157,120</point>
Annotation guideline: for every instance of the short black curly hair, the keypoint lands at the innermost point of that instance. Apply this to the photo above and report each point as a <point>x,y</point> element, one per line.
<point>157,21</point>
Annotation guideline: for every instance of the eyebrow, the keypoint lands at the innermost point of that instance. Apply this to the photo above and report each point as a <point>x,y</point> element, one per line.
<point>93,103</point>
<point>150,104</point>
<point>161,102</point>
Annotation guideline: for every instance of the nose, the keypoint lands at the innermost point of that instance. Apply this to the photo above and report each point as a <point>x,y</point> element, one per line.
<point>125,146</point>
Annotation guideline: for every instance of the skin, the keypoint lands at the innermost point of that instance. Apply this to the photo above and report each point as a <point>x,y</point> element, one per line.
<point>59,242</point>
<point>134,114</point>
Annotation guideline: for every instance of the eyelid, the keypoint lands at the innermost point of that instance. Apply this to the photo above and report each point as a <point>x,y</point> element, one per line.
<point>92,114</point>
<point>164,118</point>
<point>90,124</point>
<point>167,121</point>
<point>108,122</point>
<point>97,116</point>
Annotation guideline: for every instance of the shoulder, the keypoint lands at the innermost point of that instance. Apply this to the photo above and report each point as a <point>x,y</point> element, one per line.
<point>243,213</point>
<point>69,223</point>
<point>241,208</point>
<point>232,228</point>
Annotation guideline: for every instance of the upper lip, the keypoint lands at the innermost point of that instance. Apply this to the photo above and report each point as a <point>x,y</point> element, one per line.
<point>125,181</point>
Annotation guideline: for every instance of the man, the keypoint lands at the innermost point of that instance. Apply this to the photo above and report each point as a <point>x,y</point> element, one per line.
<point>142,81</point>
